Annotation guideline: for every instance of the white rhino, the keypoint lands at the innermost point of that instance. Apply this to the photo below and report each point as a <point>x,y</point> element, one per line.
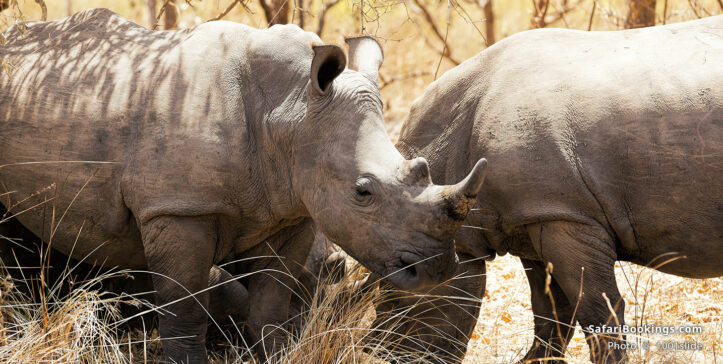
<point>606,146</point>
<point>174,149</point>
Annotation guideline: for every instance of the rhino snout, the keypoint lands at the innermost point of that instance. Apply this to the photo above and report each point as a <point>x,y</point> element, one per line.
<point>414,272</point>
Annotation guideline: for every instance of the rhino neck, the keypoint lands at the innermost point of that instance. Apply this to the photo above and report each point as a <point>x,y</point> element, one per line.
<point>279,105</point>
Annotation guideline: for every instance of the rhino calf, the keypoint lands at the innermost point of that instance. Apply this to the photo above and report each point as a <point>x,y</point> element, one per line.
<point>174,149</point>
<point>606,146</point>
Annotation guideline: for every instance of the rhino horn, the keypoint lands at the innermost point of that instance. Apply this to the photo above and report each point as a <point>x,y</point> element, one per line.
<point>469,187</point>
<point>462,195</point>
<point>365,56</point>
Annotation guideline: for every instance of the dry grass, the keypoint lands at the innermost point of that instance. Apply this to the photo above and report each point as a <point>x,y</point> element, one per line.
<point>75,328</point>
<point>506,332</point>
<point>83,326</point>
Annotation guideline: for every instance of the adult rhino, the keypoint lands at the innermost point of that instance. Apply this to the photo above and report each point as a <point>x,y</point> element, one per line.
<point>212,140</point>
<point>607,146</point>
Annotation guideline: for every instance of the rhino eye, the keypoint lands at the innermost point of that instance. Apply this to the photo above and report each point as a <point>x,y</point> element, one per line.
<point>363,191</point>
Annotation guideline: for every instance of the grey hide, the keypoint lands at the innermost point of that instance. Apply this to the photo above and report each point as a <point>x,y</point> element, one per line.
<point>605,146</point>
<point>174,149</point>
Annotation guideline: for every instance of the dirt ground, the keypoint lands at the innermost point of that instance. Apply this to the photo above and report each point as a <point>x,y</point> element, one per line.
<point>504,330</point>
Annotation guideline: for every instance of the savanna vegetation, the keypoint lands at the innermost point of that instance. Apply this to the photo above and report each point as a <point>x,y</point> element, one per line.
<point>79,319</point>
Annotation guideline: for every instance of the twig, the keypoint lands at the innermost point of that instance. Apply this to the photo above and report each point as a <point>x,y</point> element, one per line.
<point>229,8</point>
<point>592,15</point>
<point>446,33</point>
<point>692,7</point>
<point>43,8</point>
<point>322,15</point>
<point>387,81</point>
<point>467,18</point>
<point>538,21</point>
<point>428,17</point>
<point>160,14</point>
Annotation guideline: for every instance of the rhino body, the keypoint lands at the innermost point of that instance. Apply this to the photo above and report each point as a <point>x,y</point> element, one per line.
<point>605,146</point>
<point>168,151</point>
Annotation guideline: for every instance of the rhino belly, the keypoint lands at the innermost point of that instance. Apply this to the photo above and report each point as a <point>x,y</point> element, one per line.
<point>64,186</point>
<point>659,174</point>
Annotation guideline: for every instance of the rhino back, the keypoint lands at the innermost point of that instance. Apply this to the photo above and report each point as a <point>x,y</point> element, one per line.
<point>167,111</point>
<point>620,128</point>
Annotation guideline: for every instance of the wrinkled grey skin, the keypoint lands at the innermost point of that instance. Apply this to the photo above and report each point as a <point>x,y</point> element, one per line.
<point>217,138</point>
<point>606,146</point>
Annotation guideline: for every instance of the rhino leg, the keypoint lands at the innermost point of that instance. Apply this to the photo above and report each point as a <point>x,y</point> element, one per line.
<point>438,324</point>
<point>179,251</point>
<point>271,287</point>
<point>553,315</point>
<point>583,256</point>
<point>230,298</point>
<point>323,266</point>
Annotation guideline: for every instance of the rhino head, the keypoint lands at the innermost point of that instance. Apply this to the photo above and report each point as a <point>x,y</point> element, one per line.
<point>361,193</point>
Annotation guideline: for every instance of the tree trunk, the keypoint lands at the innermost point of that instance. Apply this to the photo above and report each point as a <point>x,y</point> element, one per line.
<point>170,15</point>
<point>276,11</point>
<point>300,9</point>
<point>151,13</point>
<point>489,23</point>
<point>641,13</point>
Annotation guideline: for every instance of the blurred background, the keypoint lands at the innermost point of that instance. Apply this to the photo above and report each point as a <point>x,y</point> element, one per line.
<point>421,38</point>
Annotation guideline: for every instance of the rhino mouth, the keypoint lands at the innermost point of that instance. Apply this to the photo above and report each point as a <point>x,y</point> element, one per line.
<point>411,271</point>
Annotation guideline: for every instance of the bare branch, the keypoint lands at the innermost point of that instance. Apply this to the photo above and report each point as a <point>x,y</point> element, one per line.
<point>43,8</point>
<point>276,11</point>
<point>693,7</point>
<point>446,33</point>
<point>388,81</point>
<point>592,15</point>
<point>538,21</point>
<point>151,4</point>
<point>428,17</point>
<point>322,15</point>
<point>229,8</point>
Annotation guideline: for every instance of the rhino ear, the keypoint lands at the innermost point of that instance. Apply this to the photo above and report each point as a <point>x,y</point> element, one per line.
<point>365,56</point>
<point>328,63</point>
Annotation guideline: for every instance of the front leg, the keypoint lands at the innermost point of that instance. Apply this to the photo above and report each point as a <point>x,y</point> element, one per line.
<point>554,324</point>
<point>179,253</point>
<point>272,283</point>
<point>583,257</point>
<point>228,297</point>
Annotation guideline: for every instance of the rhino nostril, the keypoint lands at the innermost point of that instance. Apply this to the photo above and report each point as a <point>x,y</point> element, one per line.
<point>409,264</point>
<point>411,270</point>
